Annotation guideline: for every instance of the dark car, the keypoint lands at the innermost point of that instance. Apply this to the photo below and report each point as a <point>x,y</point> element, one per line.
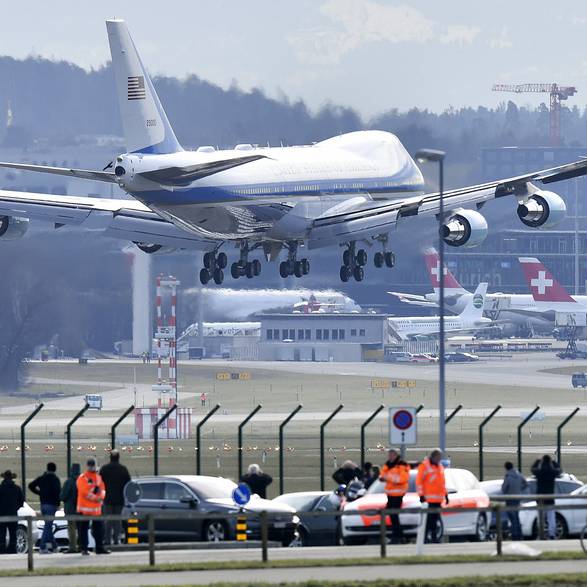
<point>314,530</point>
<point>579,379</point>
<point>460,357</point>
<point>189,494</point>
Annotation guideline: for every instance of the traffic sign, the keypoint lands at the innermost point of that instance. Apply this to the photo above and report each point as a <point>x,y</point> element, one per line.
<point>402,426</point>
<point>241,494</point>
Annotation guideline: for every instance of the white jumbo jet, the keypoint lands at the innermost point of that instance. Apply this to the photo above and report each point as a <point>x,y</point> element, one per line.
<point>470,319</point>
<point>348,191</point>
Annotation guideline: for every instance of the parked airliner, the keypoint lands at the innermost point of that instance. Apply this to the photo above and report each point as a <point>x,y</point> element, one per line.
<point>470,319</point>
<point>348,191</point>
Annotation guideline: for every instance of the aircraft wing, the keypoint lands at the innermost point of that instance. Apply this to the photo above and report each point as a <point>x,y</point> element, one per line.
<point>413,299</point>
<point>368,221</point>
<point>118,218</point>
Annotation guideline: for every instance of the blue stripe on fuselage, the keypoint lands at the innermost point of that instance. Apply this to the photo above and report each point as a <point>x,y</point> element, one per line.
<point>218,194</point>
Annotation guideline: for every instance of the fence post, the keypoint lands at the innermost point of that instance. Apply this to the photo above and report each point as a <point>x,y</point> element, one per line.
<point>116,424</point>
<point>520,426</point>
<point>151,529</point>
<point>453,413</point>
<point>29,536</point>
<point>419,408</point>
<point>383,533</point>
<point>68,433</point>
<point>541,515</point>
<point>363,427</point>
<point>481,445</point>
<point>498,529</point>
<point>264,537</point>
<point>240,439</point>
<point>199,437</point>
<point>23,447</point>
<point>322,427</point>
<point>281,455</point>
<point>559,454</point>
<point>156,437</point>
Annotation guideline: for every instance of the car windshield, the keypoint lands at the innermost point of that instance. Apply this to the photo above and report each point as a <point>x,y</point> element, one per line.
<point>379,486</point>
<point>300,503</point>
<point>212,487</point>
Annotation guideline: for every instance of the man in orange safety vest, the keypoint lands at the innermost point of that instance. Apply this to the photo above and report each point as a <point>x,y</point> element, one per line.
<point>90,497</point>
<point>431,488</point>
<point>396,475</point>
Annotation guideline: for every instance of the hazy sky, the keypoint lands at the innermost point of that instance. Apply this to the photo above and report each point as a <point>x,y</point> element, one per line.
<point>369,54</point>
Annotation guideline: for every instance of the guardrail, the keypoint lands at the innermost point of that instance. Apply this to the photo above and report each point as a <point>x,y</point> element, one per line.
<point>264,519</point>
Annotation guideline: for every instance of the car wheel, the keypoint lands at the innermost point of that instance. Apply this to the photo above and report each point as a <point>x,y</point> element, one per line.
<point>481,532</point>
<point>22,543</point>
<point>215,531</point>
<point>301,539</point>
<point>439,531</point>
<point>562,530</point>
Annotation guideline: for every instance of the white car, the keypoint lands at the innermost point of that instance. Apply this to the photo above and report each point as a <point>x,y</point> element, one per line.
<point>22,545</point>
<point>569,522</point>
<point>60,532</point>
<point>358,524</point>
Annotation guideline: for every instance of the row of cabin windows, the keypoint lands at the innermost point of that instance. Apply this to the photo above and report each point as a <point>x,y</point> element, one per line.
<point>306,333</point>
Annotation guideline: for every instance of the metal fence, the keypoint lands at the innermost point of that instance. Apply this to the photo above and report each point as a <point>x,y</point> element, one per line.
<point>281,464</point>
<point>496,509</point>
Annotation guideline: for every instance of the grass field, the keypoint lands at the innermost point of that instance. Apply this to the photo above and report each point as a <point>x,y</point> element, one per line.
<point>279,393</point>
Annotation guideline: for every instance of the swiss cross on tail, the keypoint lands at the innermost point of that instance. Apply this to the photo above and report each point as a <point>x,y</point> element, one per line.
<point>544,287</point>
<point>433,267</point>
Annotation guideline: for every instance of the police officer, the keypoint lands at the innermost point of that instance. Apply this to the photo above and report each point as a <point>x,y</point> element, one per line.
<point>395,473</point>
<point>431,488</point>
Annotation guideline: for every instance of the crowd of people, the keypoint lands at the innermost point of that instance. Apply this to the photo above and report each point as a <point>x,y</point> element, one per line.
<point>90,493</point>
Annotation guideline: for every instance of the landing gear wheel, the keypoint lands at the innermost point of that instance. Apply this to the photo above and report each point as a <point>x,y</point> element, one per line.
<point>208,260</point>
<point>221,261</point>
<point>379,259</point>
<point>305,266</point>
<point>284,269</point>
<point>389,259</point>
<point>346,257</point>
<point>205,276</point>
<point>218,276</point>
<point>359,273</point>
<point>298,269</point>
<point>256,267</point>
<point>362,257</point>
<point>249,271</point>
<point>235,270</point>
<point>345,273</point>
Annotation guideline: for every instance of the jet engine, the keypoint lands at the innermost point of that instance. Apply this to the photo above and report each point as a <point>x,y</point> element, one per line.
<point>542,210</point>
<point>13,228</point>
<point>465,228</point>
<point>154,249</point>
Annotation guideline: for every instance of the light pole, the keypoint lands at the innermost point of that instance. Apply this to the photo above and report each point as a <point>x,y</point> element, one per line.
<point>423,156</point>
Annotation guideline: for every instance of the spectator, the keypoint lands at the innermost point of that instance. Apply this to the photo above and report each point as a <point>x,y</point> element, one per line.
<point>257,480</point>
<point>369,475</point>
<point>345,474</point>
<point>48,488</point>
<point>203,398</point>
<point>68,496</point>
<point>396,475</point>
<point>546,471</point>
<point>431,488</point>
<point>11,500</point>
<point>90,497</point>
<point>514,483</point>
<point>115,477</point>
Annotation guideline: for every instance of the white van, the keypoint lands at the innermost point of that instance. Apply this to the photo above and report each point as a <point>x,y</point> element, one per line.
<point>94,401</point>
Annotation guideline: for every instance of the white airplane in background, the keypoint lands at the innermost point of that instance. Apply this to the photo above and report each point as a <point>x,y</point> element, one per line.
<point>519,310</point>
<point>469,320</point>
<point>348,191</point>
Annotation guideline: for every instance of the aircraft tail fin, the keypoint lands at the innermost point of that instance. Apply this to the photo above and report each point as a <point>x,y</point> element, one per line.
<point>542,284</point>
<point>433,267</point>
<point>145,124</point>
<point>474,307</point>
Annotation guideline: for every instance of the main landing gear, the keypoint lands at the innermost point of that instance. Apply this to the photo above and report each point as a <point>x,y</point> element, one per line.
<point>292,266</point>
<point>243,267</point>
<point>354,261</point>
<point>214,263</point>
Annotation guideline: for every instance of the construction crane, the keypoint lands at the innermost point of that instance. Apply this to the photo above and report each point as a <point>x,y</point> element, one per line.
<point>557,95</point>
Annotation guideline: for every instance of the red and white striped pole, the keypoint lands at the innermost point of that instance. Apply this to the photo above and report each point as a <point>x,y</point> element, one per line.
<point>159,325</point>
<point>173,344</point>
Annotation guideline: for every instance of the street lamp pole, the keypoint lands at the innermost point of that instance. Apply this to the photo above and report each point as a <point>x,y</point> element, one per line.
<point>438,156</point>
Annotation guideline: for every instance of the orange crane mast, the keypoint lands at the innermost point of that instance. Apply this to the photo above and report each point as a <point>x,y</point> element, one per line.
<point>557,95</point>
